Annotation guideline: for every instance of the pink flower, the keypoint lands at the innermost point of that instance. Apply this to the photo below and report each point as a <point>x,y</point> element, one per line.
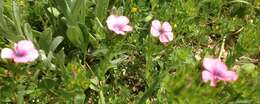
<point>216,70</point>
<point>23,52</point>
<point>118,24</point>
<point>163,31</point>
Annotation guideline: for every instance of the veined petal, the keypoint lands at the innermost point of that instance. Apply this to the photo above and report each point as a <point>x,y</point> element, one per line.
<point>166,37</point>
<point>166,27</point>
<point>155,32</point>
<point>156,24</point>
<point>7,53</point>
<point>111,21</point>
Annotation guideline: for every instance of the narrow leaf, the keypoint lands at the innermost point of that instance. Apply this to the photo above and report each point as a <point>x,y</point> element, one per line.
<point>28,32</point>
<point>16,13</point>
<point>55,43</point>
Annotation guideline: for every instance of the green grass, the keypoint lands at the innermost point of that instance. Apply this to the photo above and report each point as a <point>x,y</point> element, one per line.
<point>81,61</point>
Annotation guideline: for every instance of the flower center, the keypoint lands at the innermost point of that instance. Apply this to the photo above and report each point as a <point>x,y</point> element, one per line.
<point>217,74</point>
<point>161,31</point>
<point>20,53</point>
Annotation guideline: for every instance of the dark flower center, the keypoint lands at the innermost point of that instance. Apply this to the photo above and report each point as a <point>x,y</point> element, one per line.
<point>217,73</point>
<point>20,53</point>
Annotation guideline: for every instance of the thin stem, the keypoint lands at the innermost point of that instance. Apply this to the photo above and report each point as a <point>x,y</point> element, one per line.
<point>222,47</point>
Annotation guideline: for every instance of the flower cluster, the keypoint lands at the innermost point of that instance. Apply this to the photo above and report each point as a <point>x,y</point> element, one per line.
<point>119,25</point>
<point>214,69</point>
<point>24,51</point>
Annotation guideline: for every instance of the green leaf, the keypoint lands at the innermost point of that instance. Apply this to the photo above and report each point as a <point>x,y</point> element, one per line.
<point>78,11</point>
<point>20,94</point>
<point>60,58</point>
<point>28,32</point>
<point>17,17</point>
<point>62,5</point>
<point>6,25</point>
<point>45,39</point>
<point>85,32</point>
<point>148,18</point>
<point>56,42</point>
<point>101,9</point>
<point>75,35</point>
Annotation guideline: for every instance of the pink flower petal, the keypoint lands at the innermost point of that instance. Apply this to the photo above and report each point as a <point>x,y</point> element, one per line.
<point>111,21</point>
<point>155,32</point>
<point>166,27</point>
<point>127,28</point>
<point>210,64</point>
<point>230,76</point>
<point>220,65</point>
<point>166,37</point>
<point>213,82</point>
<point>24,45</point>
<point>123,20</point>
<point>32,55</point>
<point>7,53</point>
<point>21,59</point>
<point>206,76</point>
<point>155,28</point>
<point>156,24</point>
<point>118,31</point>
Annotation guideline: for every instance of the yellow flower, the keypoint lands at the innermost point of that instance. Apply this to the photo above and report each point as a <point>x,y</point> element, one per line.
<point>134,9</point>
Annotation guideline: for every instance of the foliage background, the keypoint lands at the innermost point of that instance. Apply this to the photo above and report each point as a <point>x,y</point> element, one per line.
<point>81,61</point>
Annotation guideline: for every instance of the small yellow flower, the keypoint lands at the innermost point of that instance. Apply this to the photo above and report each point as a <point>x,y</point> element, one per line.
<point>134,10</point>
<point>174,25</point>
